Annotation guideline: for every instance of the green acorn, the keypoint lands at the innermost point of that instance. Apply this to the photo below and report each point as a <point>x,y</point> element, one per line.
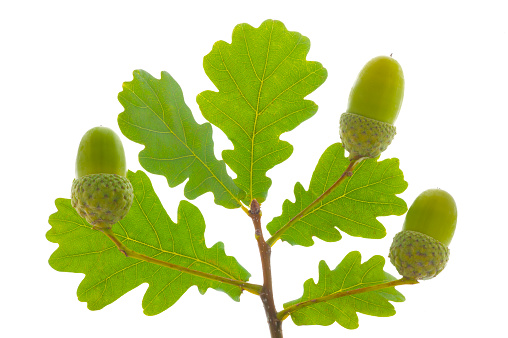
<point>101,192</point>
<point>420,250</point>
<point>366,128</point>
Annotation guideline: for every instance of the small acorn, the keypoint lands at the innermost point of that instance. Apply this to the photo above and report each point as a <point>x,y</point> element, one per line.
<point>101,192</point>
<point>420,250</point>
<point>366,128</point>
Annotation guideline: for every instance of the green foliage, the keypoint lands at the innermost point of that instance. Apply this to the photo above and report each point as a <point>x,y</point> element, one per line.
<point>262,78</point>
<point>350,274</point>
<point>176,146</point>
<point>146,229</point>
<point>352,207</point>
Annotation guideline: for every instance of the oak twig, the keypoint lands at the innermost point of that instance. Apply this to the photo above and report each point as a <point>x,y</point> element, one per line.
<point>252,288</point>
<point>274,323</point>
<point>286,312</point>
<point>347,173</point>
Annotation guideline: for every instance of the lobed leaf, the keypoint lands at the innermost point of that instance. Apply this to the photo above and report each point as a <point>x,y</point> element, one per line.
<point>352,207</point>
<point>176,146</point>
<point>146,229</point>
<point>350,274</point>
<point>262,78</point>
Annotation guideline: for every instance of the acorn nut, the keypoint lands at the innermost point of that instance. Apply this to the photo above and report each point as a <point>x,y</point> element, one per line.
<point>101,192</point>
<point>366,128</point>
<point>420,250</point>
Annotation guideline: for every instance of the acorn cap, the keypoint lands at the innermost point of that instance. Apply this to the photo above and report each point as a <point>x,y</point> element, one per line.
<point>102,199</point>
<point>365,137</point>
<point>418,256</point>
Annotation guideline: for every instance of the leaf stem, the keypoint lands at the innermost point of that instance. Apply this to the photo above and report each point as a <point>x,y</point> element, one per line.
<point>252,288</point>
<point>274,323</point>
<point>286,312</point>
<point>347,173</point>
<point>244,208</point>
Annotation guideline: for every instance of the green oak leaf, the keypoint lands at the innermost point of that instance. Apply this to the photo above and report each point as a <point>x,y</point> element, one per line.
<point>350,274</point>
<point>262,78</point>
<point>148,230</point>
<point>352,207</point>
<point>176,146</point>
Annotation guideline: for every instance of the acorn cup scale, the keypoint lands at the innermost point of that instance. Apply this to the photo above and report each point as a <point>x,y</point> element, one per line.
<point>366,128</point>
<point>101,192</point>
<point>420,250</point>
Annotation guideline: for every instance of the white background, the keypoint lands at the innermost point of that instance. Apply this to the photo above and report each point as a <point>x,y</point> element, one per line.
<point>63,64</point>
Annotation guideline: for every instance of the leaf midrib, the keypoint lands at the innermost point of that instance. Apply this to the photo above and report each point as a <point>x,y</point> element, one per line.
<point>352,287</point>
<point>257,111</point>
<point>322,205</point>
<point>161,250</point>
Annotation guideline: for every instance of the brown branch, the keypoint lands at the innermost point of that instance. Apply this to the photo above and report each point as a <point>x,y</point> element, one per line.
<point>274,323</point>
